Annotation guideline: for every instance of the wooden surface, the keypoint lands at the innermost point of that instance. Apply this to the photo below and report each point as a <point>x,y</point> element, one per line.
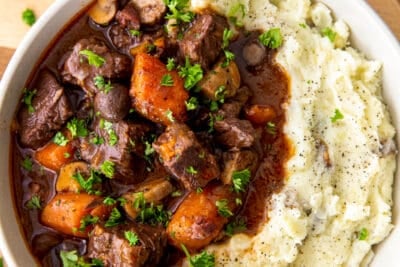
<point>12,29</point>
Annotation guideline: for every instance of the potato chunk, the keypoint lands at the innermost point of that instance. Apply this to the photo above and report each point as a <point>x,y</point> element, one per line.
<point>153,96</point>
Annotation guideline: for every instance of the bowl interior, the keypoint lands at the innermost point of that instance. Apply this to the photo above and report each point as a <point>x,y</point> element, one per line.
<point>356,13</point>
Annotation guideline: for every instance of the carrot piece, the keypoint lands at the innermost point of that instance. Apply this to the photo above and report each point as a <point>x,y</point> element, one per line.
<point>160,103</point>
<point>260,114</point>
<point>197,221</point>
<point>54,156</point>
<point>66,210</point>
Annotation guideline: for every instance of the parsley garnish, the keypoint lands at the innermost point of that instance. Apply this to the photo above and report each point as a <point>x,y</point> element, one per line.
<point>363,234</point>
<point>229,56</point>
<point>93,58</point>
<point>220,94</point>
<point>150,48</point>
<point>271,128</point>
<point>213,119</point>
<point>328,32</point>
<point>233,14</point>
<point>223,209</point>
<point>191,73</point>
<point>109,201</point>
<point>170,64</point>
<point>67,155</point>
<point>29,17</point>
<point>71,259</point>
<point>86,221</point>
<point>114,219</point>
<point>226,37</point>
<point>77,128</point>
<point>27,164</point>
<point>132,238</point>
<point>27,99</point>
<point>192,103</point>
<point>148,212</point>
<point>97,140</point>
<point>303,25</point>
<point>240,180</point>
<point>87,184</point>
<point>178,11</point>
<point>149,150</point>
<point>135,33</point>
<point>170,115</point>
<point>167,80</point>
<point>102,85</point>
<point>34,203</point>
<point>60,139</point>
<point>204,259</point>
<point>191,170</point>
<point>176,193</point>
<point>272,38</point>
<point>112,135</point>
<point>238,225</point>
<point>338,116</point>
<point>108,168</point>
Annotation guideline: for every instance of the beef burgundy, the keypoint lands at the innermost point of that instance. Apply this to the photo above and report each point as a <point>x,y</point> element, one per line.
<point>146,133</point>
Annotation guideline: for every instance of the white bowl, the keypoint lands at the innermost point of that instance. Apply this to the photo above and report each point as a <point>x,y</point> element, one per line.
<point>369,34</point>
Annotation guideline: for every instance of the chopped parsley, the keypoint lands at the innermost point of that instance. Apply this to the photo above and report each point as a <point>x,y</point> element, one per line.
<point>27,164</point>
<point>29,17</point>
<point>178,11</point>
<point>114,219</point>
<point>77,128</point>
<point>204,259</point>
<point>148,213</point>
<point>191,73</point>
<point>93,58</point>
<point>71,259</point>
<point>170,115</point>
<point>303,25</point>
<point>27,99</point>
<point>86,221</point>
<point>149,150</point>
<point>213,119</point>
<point>67,155</point>
<point>229,56</point>
<point>328,32</point>
<point>234,12</point>
<point>34,203</point>
<point>87,184</point>
<point>223,209</point>
<point>272,38</point>
<point>226,37</point>
<point>102,85</point>
<point>60,139</point>
<point>192,103</point>
<point>271,128</point>
<point>240,180</point>
<point>135,33</point>
<point>112,135</point>
<point>108,168</point>
<point>167,80</point>
<point>97,140</point>
<point>363,234</point>
<point>220,94</point>
<point>191,170</point>
<point>170,64</point>
<point>132,238</point>
<point>176,193</point>
<point>109,201</point>
<point>150,48</point>
<point>238,225</point>
<point>337,116</point>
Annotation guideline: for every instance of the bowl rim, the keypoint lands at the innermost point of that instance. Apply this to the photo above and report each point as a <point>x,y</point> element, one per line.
<point>11,258</point>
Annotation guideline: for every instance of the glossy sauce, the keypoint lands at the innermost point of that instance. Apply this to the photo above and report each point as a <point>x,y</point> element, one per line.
<point>270,86</point>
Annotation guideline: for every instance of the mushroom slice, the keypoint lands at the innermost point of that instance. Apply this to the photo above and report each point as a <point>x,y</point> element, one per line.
<point>103,11</point>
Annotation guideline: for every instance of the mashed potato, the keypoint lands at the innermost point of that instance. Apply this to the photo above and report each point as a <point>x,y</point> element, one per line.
<point>337,199</point>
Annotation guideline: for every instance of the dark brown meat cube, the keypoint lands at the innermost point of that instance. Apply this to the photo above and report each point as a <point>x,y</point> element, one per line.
<point>238,161</point>
<point>113,249</point>
<point>150,11</point>
<point>124,153</point>
<point>121,39</point>
<point>77,70</point>
<point>185,158</point>
<point>113,105</point>
<point>203,40</point>
<point>232,107</point>
<point>51,109</point>
<point>128,17</point>
<point>235,133</point>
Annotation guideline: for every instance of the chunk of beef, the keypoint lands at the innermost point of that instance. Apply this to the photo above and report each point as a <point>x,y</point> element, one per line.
<point>77,70</point>
<point>113,105</point>
<point>203,40</point>
<point>128,17</point>
<point>51,109</point>
<point>150,11</point>
<point>235,133</point>
<point>121,144</point>
<point>185,158</point>
<point>254,52</point>
<point>113,249</point>
<point>238,161</point>
<point>232,107</point>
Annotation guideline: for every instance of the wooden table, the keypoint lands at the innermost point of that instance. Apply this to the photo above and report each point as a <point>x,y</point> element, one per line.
<point>389,10</point>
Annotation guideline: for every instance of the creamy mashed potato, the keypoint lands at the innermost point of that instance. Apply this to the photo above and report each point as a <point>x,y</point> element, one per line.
<point>339,180</point>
